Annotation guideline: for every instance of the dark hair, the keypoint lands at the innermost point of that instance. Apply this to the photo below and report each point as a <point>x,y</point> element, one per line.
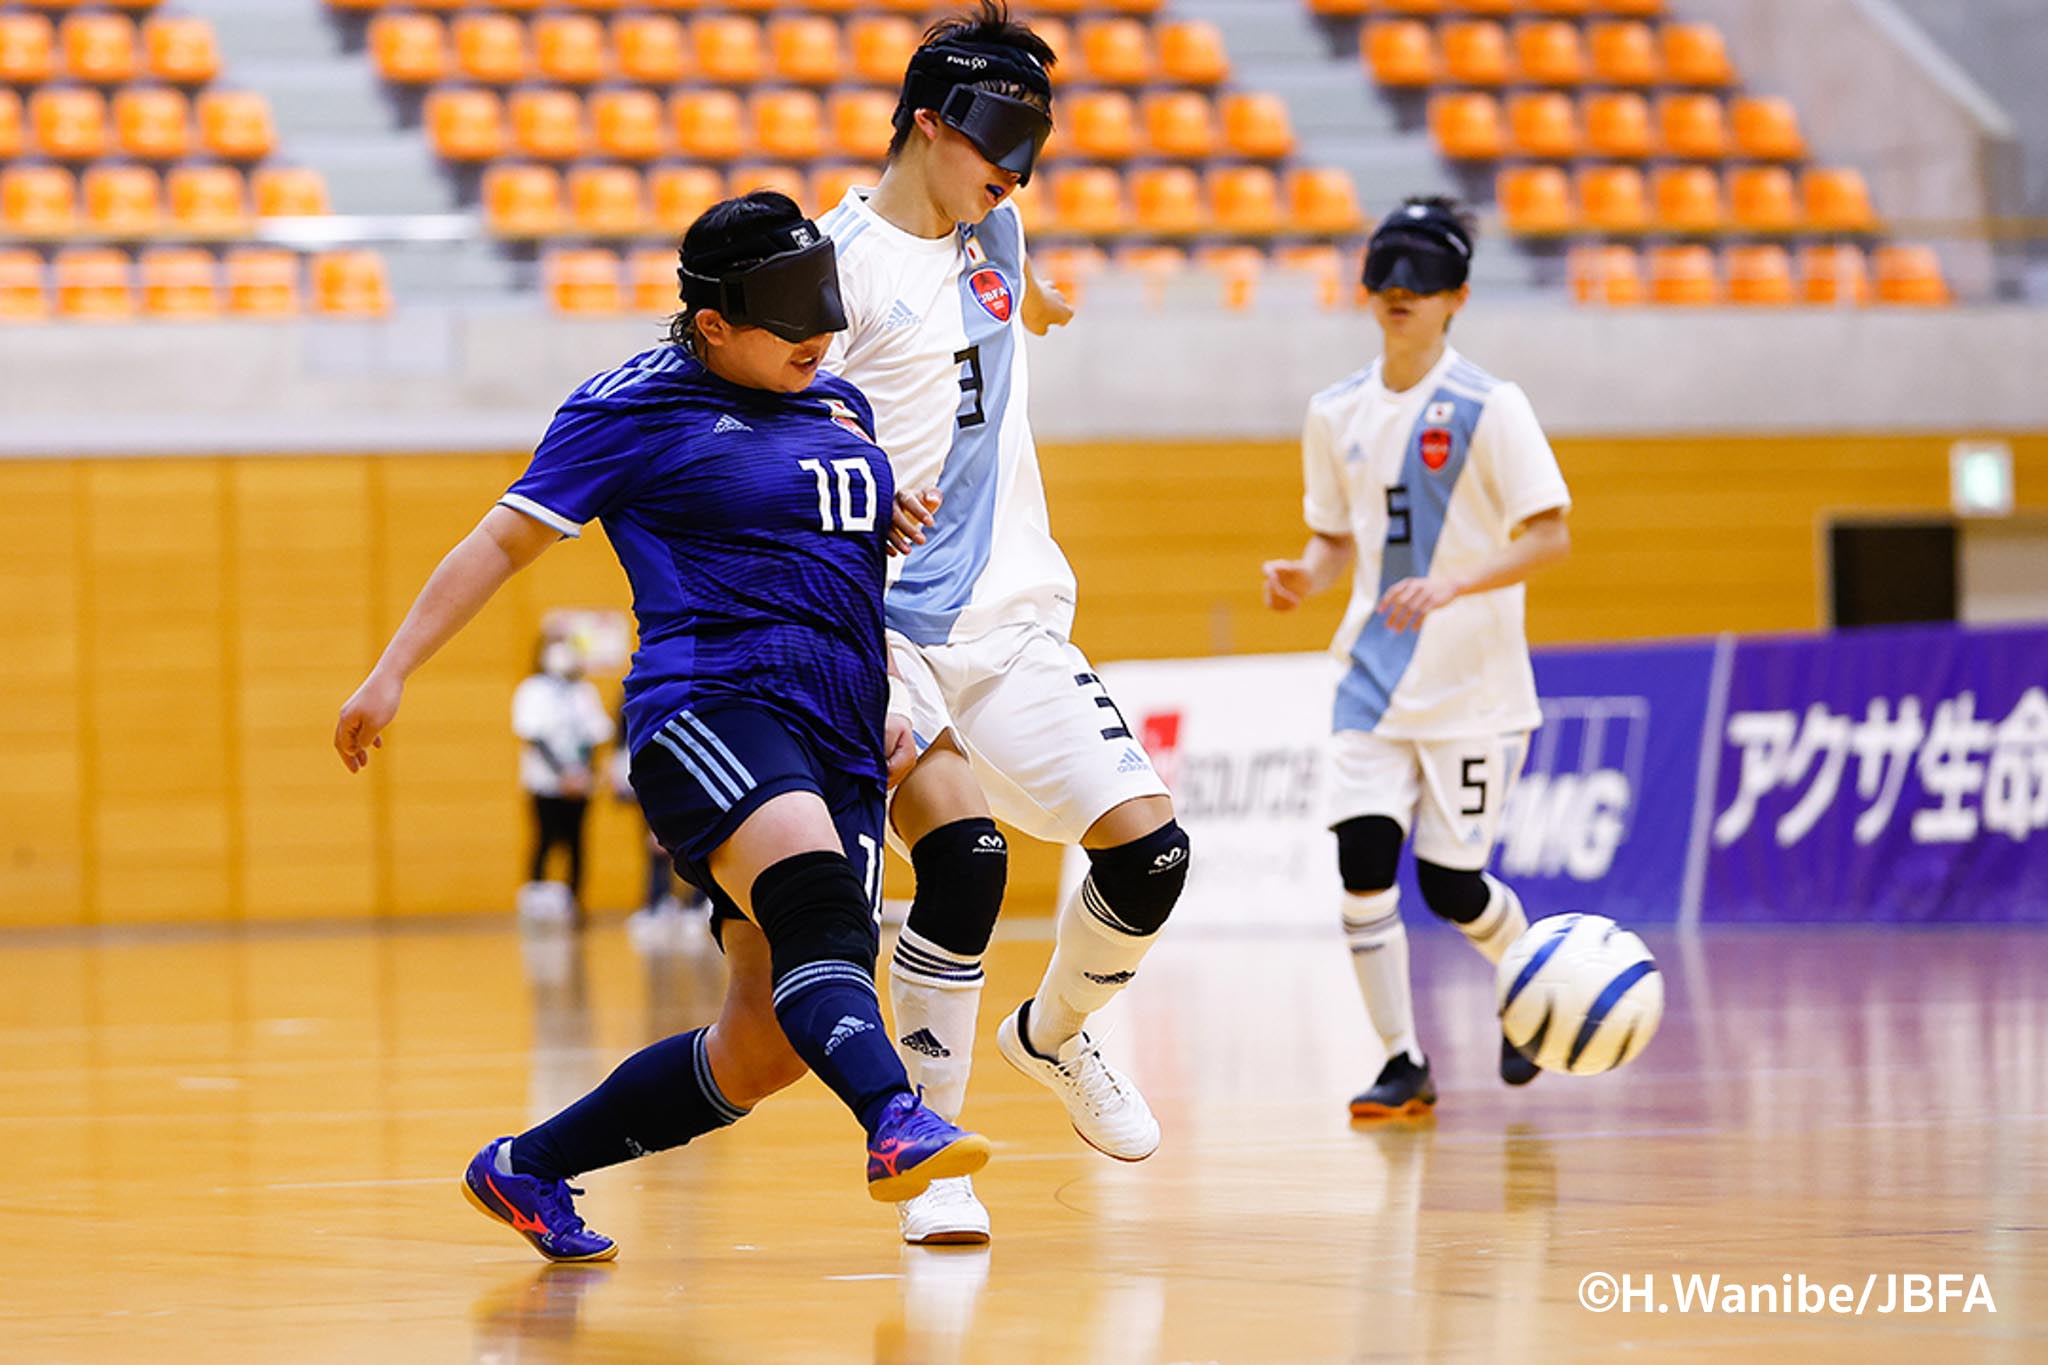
<point>989,26</point>
<point>725,225</point>
<point>1451,207</point>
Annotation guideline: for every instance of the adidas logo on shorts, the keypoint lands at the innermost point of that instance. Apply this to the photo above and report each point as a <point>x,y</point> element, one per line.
<point>1109,979</point>
<point>846,1028</point>
<point>1134,761</point>
<point>923,1041</point>
<point>728,422</point>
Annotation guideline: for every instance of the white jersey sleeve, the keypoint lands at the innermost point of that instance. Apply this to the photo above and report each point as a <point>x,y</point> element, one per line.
<point>1514,457</point>
<point>1325,501</point>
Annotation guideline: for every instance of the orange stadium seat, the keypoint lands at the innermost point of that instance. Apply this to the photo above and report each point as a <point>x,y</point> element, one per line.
<point>570,48</point>
<point>491,48</point>
<point>1688,199</point>
<point>881,44</point>
<point>1237,270</point>
<point>709,124</point>
<point>1696,54</point>
<point>152,123</point>
<point>1569,9</point>
<point>1834,275</point>
<point>1089,199</point>
<point>628,124</point>
<point>1607,276</point>
<point>1476,53</point>
<point>208,201</point>
<point>1618,125</point>
<point>547,124</point>
<point>100,48</point>
<point>1322,265</point>
<point>1069,269</point>
<point>289,192</point>
<point>466,125</point>
<point>1544,123</point>
<point>22,296</point>
<point>1548,52</point>
<point>751,6</point>
<point>1837,200</point>
<point>28,48</point>
<point>1116,52</point>
<point>523,201</point>
<point>122,201</point>
<point>829,185</point>
<point>1683,276</point>
<point>651,280</point>
<point>678,194</point>
<point>1257,125</point>
<point>1498,9</point>
<point>606,201</point>
<point>1181,124</point>
<point>350,284</point>
<point>789,125</point>
<point>860,120</point>
<point>653,49</point>
<point>1158,266</point>
<point>1400,52</point>
<point>1635,9</point>
<point>728,49</point>
<point>1911,275</point>
<point>1767,127</point>
<point>236,125</point>
<point>1694,126</point>
<point>1342,9</point>
<point>805,49</point>
<point>13,128</point>
<point>1625,54</point>
<point>1426,8</point>
<point>1057,35</point>
<point>1245,199</point>
<point>38,201</point>
<point>179,282</point>
<point>181,49</point>
<point>583,282</point>
<point>1760,276</point>
<point>1613,199</point>
<point>92,284</point>
<point>69,124</point>
<point>262,282</point>
<point>1535,200</point>
<point>1103,124</point>
<point>1467,126</point>
<point>1168,199</point>
<point>1322,199</point>
<point>409,49</point>
<point>782,179</point>
<point>1763,199</point>
<point>1191,52</point>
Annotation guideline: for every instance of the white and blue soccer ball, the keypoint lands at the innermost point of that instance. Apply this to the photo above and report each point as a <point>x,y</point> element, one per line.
<point>1579,993</point>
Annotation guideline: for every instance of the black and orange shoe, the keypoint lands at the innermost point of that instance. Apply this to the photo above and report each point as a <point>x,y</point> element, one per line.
<point>1403,1090</point>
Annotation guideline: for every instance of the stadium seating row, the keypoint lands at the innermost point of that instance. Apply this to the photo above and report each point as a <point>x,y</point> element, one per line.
<point>1407,53</point>
<point>530,201</point>
<point>123,202</point>
<point>1759,275</point>
<point>100,48</point>
<point>412,48</point>
<point>153,123</point>
<point>920,9</point>
<point>467,124</point>
<point>1573,8</point>
<point>1542,200</point>
<point>103,284</point>
<point>1472,125</point>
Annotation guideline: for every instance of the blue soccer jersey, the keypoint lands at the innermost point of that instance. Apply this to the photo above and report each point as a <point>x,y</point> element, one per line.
<point>752,526</point>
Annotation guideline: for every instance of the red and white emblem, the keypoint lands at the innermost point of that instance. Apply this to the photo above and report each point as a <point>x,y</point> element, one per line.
<point>845,417</point>
<point>992,292</point>
<point>1436,448</point>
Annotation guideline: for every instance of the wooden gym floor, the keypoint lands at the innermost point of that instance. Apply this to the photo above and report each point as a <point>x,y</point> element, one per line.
<point>230,1148</point>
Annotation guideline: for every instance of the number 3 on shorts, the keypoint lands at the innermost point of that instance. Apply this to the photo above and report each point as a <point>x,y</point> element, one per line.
<point>1088,682</point>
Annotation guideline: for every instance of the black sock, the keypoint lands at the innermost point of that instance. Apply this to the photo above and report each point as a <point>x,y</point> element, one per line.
<point>660,1097</point>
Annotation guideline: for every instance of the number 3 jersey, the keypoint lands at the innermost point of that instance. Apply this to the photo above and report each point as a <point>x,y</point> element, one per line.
<point>1433,479</point>
<point>935,338</point>
<point>752,526</point>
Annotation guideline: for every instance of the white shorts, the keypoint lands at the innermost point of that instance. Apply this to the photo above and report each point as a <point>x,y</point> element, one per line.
<point>1050,749</point>
<point>1447,795</point>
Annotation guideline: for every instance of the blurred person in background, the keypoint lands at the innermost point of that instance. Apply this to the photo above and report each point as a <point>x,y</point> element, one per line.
<point>560,720</point>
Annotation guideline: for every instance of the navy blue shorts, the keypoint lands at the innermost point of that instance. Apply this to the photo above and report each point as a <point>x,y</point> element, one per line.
<point>707,770</point>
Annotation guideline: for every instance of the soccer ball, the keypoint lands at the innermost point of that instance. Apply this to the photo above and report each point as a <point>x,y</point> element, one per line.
<point>1579,993</point>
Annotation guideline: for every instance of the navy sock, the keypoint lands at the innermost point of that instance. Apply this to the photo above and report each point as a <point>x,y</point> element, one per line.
<point>660,1097</point>
<point>829,1012</point>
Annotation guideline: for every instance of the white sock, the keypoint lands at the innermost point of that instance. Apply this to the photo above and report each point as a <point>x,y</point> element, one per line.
<point>1379,956</point>
<point>1500,923</point>
<point>936,998</point>
<point>1092,960</point>
<point>502,1161</point>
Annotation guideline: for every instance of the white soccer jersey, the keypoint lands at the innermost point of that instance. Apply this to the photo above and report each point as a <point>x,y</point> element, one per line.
<point>1433,478</point>
<point>935,338</point>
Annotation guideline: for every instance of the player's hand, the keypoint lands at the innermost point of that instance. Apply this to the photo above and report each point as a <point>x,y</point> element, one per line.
<point>1049,309</point>
<point>1287,583</point>
<point>915,509</point>
<point>363,718</point>
<point>1410,600</point>
<point>900,747</point>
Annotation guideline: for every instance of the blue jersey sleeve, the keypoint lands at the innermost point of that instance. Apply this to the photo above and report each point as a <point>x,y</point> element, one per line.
<point>589,462</point>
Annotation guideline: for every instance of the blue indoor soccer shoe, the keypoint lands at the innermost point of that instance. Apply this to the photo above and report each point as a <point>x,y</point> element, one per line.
<point>912,1147</point>
<point>541,1211</point>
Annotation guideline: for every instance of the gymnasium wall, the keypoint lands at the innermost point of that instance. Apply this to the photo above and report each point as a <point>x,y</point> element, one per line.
<point>181,631</point>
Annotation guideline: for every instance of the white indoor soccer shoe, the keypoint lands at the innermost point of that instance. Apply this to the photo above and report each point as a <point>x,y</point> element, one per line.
<point>1107,1110</point>
<point>946,1215</point>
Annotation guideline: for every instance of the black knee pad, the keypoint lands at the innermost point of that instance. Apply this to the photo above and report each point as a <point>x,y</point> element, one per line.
<point>1141,880</point>
<point>813,908</point>
<point>962,870</point>
<point>1455,895</point>
<point>1368,852</point>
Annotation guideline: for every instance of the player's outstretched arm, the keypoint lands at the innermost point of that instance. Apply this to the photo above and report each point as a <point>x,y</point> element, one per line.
<point>1324,561</point>
<point>1542,539</point>
<point>1045,307</point>
<point>502,544</point>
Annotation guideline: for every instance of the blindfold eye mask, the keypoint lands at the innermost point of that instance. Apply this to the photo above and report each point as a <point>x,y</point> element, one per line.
<point>785,281</point>
<point>1421,249</point>
<point>1008,131</point>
